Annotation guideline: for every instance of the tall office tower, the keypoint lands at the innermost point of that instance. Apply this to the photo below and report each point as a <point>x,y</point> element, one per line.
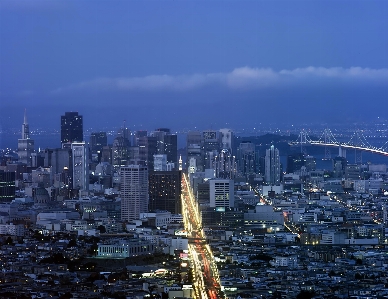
<point>247,158</point>
<point>71,128</point>
<point>133,155</point>
<point>106,155</point>
<point>7,186</point>
<point>120,152</point>
<point>171,149</point>
<point>225,165</point>
<point>159,135</point>
<point>210,147</point>
<point>310,163</point>
<point>221,193</point>
<point>194,137</point>
<point>124,132</point>
<point>60,161</point>
<point>97,141</point>
<point>272,166</point>
<point>339,166</point>
<point>137,135</point>
<point>80,165</point>
<point>25,144</point>
<point>226,136</point>
<point>211,141</point>
<point>134,191</point>
<point>147,150</point>
<point>295,162</point>
<point>166,143</point>
<point>194,151</point>
<point>353,172</point>
<point>160,162</point>
<point>203,193</point>
<point>165,191</point>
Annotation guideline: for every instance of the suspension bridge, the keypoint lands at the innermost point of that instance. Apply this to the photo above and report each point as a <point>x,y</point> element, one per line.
<point>357,142</point>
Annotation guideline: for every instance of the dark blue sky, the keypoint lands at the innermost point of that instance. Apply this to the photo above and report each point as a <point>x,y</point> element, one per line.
<point>193,63</point>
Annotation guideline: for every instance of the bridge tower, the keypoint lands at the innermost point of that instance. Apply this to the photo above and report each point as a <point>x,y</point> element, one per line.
<point>303,141</point>
<point>327,135</point>
<point>358,142</point>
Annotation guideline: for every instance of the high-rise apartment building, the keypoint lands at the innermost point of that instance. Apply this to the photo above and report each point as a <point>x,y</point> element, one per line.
<point>71,128</point>
<point>134,191</point>
<point>25,144</point>
<point>272,166</point>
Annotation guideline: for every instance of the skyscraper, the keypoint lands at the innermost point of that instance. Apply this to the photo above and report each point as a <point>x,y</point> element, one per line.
<point>295,162</point>
<point>194,156</point>
<point>226,136</point>
<point>165,191</point>
<point>247,158</point>
<point>134,191</point>
<point>171,149</point>
<point>166,143</point>
<point>147,150</point>
<point>71,127</point>
<point>221,193</point>
<point>25,144</point>
<point>272,166</point>
<point>80,166</point>
<point>7,186</point>
<point>97,141</point>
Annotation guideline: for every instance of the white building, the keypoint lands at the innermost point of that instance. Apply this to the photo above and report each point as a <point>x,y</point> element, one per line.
<point>221,193</point>
<point>125,248</point>
<point>226,138</point>
<point>158,219</point>
<point>12,229</point>
<point>160,162</point>
<point>134,191</point>
<point>80,166</point>
<point>179,244</point>
<point>290,261</point>
<point>264,216</point>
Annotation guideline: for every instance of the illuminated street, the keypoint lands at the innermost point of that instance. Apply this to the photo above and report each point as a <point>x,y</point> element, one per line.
<point>206,279</point>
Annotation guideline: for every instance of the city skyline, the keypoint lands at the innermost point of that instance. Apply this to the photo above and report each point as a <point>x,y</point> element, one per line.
<point>181,63</point>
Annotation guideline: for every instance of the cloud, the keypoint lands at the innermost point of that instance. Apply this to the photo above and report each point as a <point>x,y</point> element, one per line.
<point>239,78</point>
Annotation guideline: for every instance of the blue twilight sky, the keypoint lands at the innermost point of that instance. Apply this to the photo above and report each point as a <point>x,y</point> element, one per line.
<point>193,63</point>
